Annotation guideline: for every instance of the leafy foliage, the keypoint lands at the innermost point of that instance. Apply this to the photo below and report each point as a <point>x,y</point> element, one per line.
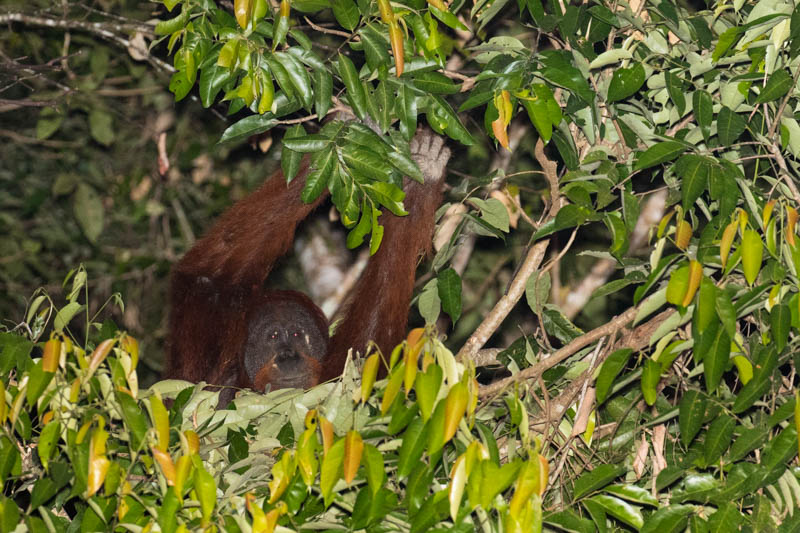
<point>688,417</point>
<point>409,450</point>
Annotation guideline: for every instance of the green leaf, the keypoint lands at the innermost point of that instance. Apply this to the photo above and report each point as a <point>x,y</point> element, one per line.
<point>714,348</point>
<point>388,195</point>
<point>133,416</point>
<point>726,518</point>
<point>691,411</point>
<point>346,13</point>
<point>678,285</point>
<point>760,383</point>
<point>436,83</point>
<point>626,82</point>
<point>166,27</point>
<point>651,375</point>
<point>752,254</point>
<point>50,120</point>
<point>675,91</point>
<point>611,368</point>
<point>725,41</point>
<point>357,234</point>
<point>726,312</point>
<point>427,387</point>
<point>414,440</point>
<point>570,78</point>
<point>449,287</point>
<point>89,212</point>
<point>493,212</point>
<point>308,143</point>
<point>48,440</point>
<point>777,86</point>
<point>780,450</point>
<point>247,127</point>
<point>670,519</point>
<point>780,318</point>
<point>406,165</point>
<point>356,95</point>
<point>568,520</point>
<point>452,124</point>
<point>569,216</point>
<point>374,467</point>
<point>376,48</point>
<point>596,479</point>
<point>555,323</point>
<point>290,159</point>
<point>620,509</point>
<point>718,438</point>
<point>298,77</point>
<point>705,312</point>
<point>317,180</point>
<point>66,314</point>
<point>703,108</point>
<point>537,291</point>
<point>331,470</point>
<point>619,234</point>
<point>101,126</point>
<point>323,91</point>
<point>633,493</point>
<point>694,171</point>
<point>659,153</point>
<point>730,126</point>
<point>212,79</point>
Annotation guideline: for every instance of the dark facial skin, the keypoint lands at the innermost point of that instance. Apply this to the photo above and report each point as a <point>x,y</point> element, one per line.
<point>284,347</point>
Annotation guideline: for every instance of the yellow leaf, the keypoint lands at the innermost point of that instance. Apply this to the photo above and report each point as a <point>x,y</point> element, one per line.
<point>683,234</point>
<point>458,480</point>
<point>396,39</point>
<point>662,225</point>
<point>259,518</point>
<point>192,442</point>
<point>752,255</point>
<point>368,376</point>
<point>307,455</point>
<point>392,388</point>
<point>243,10</point>
<point>282,473</point>
<point>744,367</point>
<point>797,415</point>
<point>766,214</point>
<point>454,408</point>
<point>385,9</point>
<point>99,354</point>
<point>528,483</point>
<point>353,448</point>
<point>726,242</point>
<point>326,429</point>
<point>98,468</point>
<point>438,4</point>
<point>160,421</point>
<point>3,404</point>
<point>51,355</point>
<point>165,462</point>
<point>500,133</point>
<point>130,345</point>
<point>411,368</point>
<point>183,468</point>
<point>791,222</point>
<point>695,275</point>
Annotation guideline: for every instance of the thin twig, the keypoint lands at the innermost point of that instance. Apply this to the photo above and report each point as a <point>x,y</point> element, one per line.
<point>559,355</point>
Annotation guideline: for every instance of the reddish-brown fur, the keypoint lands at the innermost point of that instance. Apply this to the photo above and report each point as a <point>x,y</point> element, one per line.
<point>219,282</point>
